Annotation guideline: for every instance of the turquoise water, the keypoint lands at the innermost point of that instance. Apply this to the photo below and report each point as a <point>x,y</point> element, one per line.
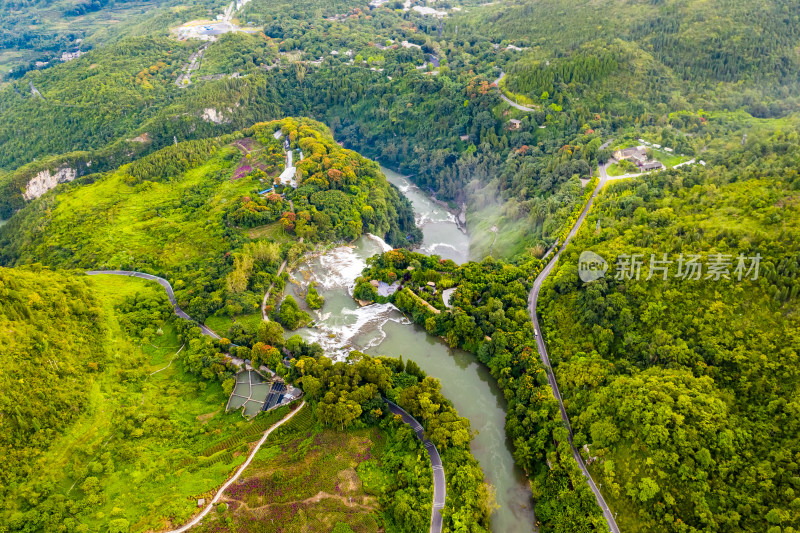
<point>475,394</point>
<point>342,326</point>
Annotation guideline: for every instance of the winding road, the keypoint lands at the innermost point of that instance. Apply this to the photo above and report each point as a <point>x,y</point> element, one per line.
<point>508,100</point>
<point>167,287</point>
<point>532,301</point>
<point>439,482</point>
<point>196,520</point>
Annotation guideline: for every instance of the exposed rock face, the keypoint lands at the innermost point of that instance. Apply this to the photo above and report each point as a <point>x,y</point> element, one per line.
<point>45,180</point>
<point>212,115</point>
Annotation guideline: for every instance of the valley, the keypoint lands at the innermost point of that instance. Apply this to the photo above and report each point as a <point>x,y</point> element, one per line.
<point>399,266</point>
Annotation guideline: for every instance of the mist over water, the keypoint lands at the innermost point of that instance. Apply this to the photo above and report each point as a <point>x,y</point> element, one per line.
<point>380,329</point>
<point>441,235</point>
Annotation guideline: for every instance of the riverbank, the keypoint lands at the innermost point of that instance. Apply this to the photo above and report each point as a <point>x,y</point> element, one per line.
<point>460,214</point>
<point>381,329</point>
<point>442,233</point>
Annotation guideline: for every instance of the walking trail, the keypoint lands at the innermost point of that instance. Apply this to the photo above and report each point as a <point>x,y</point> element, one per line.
<point>196,520</point>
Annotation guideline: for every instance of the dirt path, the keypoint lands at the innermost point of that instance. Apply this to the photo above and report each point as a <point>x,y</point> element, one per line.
<point>196,520</point>
<point>423,302</point>
<point>321,495</point>
<point>264,316</point>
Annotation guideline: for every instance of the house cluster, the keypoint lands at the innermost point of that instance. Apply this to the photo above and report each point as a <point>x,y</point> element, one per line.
<point>654,145</point>
<point>638,156</point>
<point>69,56</point>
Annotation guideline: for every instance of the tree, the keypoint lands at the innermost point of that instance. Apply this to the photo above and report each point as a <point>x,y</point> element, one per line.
<point>118,525</point>
<point>313,299</point>
<point>271,333</point>
<point>290,315</point>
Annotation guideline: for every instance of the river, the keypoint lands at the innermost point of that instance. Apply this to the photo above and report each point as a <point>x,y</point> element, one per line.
<point>441,234</point>
<point>382,330</point>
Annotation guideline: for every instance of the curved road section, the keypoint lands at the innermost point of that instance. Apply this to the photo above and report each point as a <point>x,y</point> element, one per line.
<point>439,483</point>
<point>508,100</point>
<point>167,287</point>
<point>532,301</point>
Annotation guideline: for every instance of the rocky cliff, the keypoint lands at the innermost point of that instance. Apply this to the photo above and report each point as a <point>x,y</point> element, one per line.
<point>46,180</point>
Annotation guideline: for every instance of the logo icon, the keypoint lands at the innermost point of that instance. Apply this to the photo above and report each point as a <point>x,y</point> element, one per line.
<point>591,266</point>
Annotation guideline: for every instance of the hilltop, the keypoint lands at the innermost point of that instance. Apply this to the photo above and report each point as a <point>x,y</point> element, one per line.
<point>206,216</point>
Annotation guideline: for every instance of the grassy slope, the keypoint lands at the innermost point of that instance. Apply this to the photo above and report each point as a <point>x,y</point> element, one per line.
<point>147,472</point>
<point>303,480</point>
<point>123,222</point>
<point>151,489</point>
<point>306,478</point>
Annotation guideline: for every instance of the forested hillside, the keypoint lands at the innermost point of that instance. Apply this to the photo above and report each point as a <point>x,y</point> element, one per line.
<point>114,418</point>
<point>685,390</point>
<point>43,325</point>
<point>185,213</point>
<point>349,394</point>
<point>583,71</point>
<point>40,31</point>
<point>732,52</point>
<point>445,126</point>
<point>682,392</point>
<point>489,318</point>
<point>84,422</point>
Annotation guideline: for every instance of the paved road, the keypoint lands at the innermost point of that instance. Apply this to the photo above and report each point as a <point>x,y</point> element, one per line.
<point>689,162</point>
<point>185,79</point>
<point>509,101</point>
<point>532,301</point>
<point>167,287</point>
<point>196,520</point>
<point>35,91</point>
<point>641,174</point>
<point>439,482</point>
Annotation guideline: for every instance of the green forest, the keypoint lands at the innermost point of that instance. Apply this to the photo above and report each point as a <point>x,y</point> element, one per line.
<point>447,126</point>
<point>489,318</point>
<point>681,391</point>
<point>351,393</point>
<point>114,402</point>
<point>686,389</point>
<point>99,414</point>
<point>184,212</point>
